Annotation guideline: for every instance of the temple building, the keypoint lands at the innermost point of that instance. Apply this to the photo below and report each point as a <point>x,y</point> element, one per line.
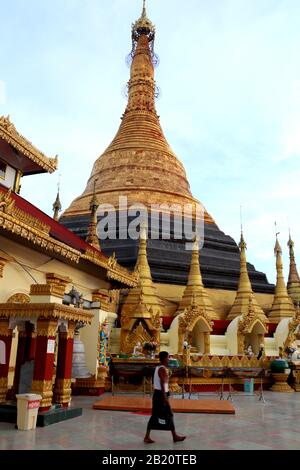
<point>69,300</point>
<point>52,283</point>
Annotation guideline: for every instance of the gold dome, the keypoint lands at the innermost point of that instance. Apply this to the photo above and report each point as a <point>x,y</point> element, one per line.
<point>139,163</point>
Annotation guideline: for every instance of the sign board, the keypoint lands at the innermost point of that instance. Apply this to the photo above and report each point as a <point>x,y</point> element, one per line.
<point>50,346</point>
<point>33,405</point>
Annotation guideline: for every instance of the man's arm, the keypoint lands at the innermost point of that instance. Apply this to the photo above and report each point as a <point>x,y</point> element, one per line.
<point>163,375</point>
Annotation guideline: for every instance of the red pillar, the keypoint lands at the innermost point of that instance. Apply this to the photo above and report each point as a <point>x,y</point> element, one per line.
<point>25,352</point>
<point>44,361</point>
<point>64,366</point>
<point>20,359</point>
<point>6,337</point>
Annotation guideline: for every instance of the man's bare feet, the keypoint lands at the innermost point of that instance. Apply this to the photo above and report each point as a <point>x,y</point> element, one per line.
<point>148,440</point>
<point>179,438</point>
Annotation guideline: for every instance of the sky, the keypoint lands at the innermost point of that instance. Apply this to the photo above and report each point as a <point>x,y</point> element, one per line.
<point>229,76</point>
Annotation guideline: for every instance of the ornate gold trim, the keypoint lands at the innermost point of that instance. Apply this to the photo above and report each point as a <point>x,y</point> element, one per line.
<point>46,311</point>
<point>71,330</point>
<point>46,328</point>
<point>7,205</point>
<point>191,316</point>
<point>129,340</point>
<point>292,328</point>
<point>281,384</point>
<point>62,391</point>
<point>3,260</point>
<point>37,238</point>
<point>56,285</point>
<point>4,330</point>
<point>114,270</point>
<point>44,388</point>
<point>3,388</point>
<point>9,133</point>
<point>224,361</point>
<point>19,298</point>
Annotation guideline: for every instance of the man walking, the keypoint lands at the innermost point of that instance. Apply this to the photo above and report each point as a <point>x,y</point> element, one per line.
<point>162,415</point>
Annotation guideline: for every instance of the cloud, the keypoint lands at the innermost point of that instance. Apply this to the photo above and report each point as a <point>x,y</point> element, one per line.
<point>2,92</point>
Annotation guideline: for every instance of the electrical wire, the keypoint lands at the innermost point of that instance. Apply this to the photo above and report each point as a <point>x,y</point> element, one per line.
<point>21,265</point>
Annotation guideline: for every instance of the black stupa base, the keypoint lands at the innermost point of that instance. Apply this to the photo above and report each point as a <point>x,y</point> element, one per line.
<point>170,261</point>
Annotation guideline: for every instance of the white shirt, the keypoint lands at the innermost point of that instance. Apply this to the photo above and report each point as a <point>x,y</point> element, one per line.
<point>156,380</point>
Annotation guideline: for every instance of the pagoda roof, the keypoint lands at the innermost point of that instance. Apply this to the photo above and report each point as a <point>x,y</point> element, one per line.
<point>24,221</point>
<point>34,160</point>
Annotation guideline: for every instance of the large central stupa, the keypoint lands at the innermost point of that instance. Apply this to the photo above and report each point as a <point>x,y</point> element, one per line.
<point>140,165</point>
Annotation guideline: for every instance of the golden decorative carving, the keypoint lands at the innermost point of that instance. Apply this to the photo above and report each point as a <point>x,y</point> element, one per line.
<point>46,311</point>
<point>282,306</point>
<point>3,388</point>
<point>45,389</point>
<point>9,133</point>
<point>103,297</point>
<point>139,334</point>
<point>4,330</point>
<point>56,285</point>
<point>36,237</point>
<point>225,361</point>
<point>102,376</point>
<point>7,205</point>
<point>281,384</point>
<point>62,391</point>
<point>191,316</point>
<point>126,322</point>
<point>3,260</point>
<point>247,323</point>
<point>292,329</point>
<point>71,330</point>
<point>19,298</point>
<point>47,328</point>
<point>116,273</point>
<point>144,23</point>
<point>296,375</point>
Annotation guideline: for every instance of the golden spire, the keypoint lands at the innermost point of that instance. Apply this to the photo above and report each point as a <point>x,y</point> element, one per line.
<point>144,13</point>
<point>143,26</point>
<point>92,237</point>
<point>145,291</point>
<point>244,299</point>
<point>57,204</point>
<point>293,285</point>
<point>195,293</point>
<point>282,304</point>
<point>139,156</point>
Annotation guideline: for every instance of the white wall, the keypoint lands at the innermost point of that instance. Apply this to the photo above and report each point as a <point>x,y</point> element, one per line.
<point>9,180</point>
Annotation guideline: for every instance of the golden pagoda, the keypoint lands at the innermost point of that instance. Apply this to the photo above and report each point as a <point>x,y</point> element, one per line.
<point>141,310</point>
<point>139,163</point>
<point>293,285</point>
<point>244,295</point>
<point>282,304</point>
<point>195,294</point>
<point>139,167</point>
